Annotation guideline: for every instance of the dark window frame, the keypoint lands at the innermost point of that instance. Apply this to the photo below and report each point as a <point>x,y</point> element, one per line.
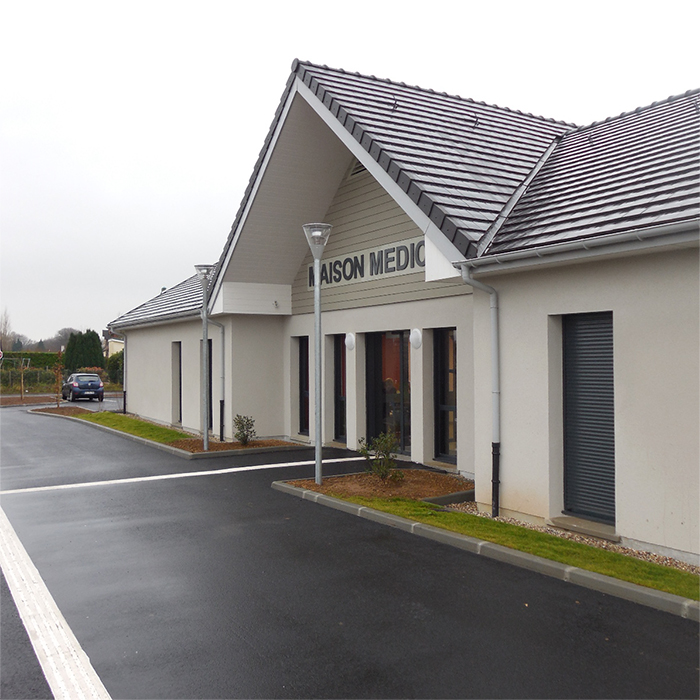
<point>441,372</point>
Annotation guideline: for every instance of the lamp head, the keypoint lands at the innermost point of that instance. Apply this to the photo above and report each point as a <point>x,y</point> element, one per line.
<point>317,236</point>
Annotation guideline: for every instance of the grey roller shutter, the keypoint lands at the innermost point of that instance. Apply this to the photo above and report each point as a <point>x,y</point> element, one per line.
<point>589,416</point>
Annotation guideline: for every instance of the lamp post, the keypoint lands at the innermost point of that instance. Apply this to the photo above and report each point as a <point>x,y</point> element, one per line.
<point>204,273</point>
<point>317,236</point>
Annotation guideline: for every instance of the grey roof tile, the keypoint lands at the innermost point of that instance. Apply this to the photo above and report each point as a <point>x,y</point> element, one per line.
<point>464,162</point>
<point>181,301</point>
<point>418,135</point>
<point>635,171</point>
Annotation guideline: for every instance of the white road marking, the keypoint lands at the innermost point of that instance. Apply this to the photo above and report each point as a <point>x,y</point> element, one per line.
<point>67,668</point>
<point>185,475</point>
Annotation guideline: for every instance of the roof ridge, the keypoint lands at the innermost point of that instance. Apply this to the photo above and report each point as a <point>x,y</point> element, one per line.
<point>638,110</point>
<point>297,62</point>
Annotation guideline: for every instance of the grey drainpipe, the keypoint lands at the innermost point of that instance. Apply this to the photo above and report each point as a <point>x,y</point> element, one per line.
<point>124,377</point>
<point>223,376</point>
<point>465,269</point>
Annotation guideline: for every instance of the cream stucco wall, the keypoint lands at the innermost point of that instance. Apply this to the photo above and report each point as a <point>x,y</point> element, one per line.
<point>253,372</point>
<point>149,371</point>
<point>654,300</point>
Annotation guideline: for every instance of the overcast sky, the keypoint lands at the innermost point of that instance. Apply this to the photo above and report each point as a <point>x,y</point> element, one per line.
<point>128,130</point>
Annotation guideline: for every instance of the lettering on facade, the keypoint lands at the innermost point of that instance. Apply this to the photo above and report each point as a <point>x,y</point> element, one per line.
<point>377,263</point>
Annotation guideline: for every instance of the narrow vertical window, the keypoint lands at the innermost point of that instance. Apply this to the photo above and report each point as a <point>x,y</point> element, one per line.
<point>339,387</point>
<point>445,383</point>
<point>389,386</point>
<point>304,385</point>
<point>176,354</point>
<point>211,383</point>
<point>589,416</point>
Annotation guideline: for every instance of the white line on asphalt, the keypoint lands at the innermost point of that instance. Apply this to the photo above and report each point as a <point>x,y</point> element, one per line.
<point>67,668</point>
<point>185,475</point>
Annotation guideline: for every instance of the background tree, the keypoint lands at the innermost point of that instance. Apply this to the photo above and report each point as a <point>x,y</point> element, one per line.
<point>83,350</point>
<point>5,331</point>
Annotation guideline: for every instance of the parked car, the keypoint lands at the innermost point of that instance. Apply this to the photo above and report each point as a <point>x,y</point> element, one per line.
<point>83,386</point>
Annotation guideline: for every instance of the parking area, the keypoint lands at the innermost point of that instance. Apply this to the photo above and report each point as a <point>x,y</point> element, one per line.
<point>186,579</point>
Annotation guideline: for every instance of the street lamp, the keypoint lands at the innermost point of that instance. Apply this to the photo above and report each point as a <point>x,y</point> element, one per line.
<point>317,236</point>
<point>204,273</point>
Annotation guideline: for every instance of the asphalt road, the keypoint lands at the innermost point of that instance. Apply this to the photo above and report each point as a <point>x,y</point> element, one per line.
<point>217,586</point>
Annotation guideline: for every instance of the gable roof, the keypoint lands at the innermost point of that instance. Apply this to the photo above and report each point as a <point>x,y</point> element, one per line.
<point>491,180</point>
<point>182,301</point>
<point>459,161</point>
<point>629,173</point>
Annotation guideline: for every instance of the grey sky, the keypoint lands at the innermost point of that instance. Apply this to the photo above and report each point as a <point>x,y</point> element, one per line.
<point>128,130</point>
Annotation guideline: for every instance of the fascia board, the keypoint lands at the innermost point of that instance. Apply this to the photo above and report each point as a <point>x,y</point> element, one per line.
<point>429,229</point>
<point>678,236</point>
<point>213,297</point>
<point>162,321</point>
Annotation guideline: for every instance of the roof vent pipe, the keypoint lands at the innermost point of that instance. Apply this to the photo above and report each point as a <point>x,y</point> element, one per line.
<point>465,269</point>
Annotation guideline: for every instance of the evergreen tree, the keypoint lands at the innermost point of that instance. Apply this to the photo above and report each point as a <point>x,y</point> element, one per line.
<point>83,350</point>
<point>92,350</point>
<point>70,358</point>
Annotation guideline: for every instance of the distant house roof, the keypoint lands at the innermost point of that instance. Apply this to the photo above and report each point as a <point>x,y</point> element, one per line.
<point>184,300</point>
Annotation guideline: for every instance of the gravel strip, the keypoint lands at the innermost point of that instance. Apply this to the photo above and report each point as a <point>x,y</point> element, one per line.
<point>470,507</point>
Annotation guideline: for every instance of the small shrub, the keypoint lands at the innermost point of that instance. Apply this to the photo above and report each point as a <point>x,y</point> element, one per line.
<point>379,453</point>
<point>115,367</point>
<point>244,429</point>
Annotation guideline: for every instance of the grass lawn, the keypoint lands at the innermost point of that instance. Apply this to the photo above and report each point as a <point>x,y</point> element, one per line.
<point>601,561</point>
<point>134,426</point>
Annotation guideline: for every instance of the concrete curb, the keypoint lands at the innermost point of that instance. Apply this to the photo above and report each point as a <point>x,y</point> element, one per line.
<point>184,454</point>
<point>667,602</point>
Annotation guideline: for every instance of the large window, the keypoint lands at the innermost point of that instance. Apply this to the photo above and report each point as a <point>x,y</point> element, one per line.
<point>445,382</point>
<point>389,386</point>
<point>304,385</point>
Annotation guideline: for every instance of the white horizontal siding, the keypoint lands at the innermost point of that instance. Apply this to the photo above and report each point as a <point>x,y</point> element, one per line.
<point>364,216</point>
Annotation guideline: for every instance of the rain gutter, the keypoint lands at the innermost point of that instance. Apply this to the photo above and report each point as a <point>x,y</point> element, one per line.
<point>679,234</point>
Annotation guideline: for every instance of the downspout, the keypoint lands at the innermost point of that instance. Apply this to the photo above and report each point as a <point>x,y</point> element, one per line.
<point>223,376</point>
<point>495,384</point>
<point>124,377</point>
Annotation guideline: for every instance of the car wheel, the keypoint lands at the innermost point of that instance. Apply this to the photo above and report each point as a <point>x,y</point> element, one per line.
<point>72,396</point>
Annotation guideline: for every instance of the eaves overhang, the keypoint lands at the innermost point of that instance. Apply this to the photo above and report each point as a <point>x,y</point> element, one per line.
<point>679,235</point>
<point>160,321</point>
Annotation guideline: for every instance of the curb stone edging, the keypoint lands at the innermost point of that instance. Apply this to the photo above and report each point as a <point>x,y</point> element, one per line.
<point>660,600</point>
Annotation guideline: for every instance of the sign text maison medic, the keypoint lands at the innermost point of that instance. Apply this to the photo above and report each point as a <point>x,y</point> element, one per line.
<point>390,260</point>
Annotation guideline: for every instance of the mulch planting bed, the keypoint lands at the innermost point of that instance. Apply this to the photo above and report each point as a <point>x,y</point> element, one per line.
<point>197,445</point>
<point>416,484</point>
<point>64,410</point>
<point>27,400</point>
